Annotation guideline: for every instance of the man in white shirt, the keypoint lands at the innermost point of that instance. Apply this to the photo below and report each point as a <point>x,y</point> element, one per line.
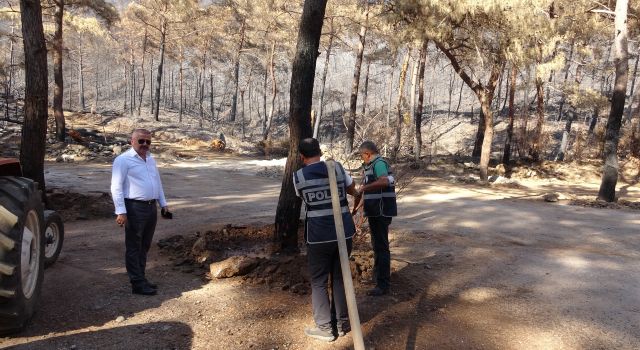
<point>135,189</point>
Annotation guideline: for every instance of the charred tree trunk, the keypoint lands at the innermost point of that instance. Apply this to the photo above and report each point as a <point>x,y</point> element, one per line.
<point>403,77</point>
<point>163,39</point>
<point>506,157</point>
<point>537,134</point>
<point>566,76</point>
<point>132,75</point>
<point>607,190</point>
<point>144,79</point>
<point>417,148</point>
<point>633,85</point>
<point>301,92</point>
<point>181,88</point>
<point>34,130</point>
<point>212,108</point>
<point>325,70</point>
<point>274,93</point>
<point>365,91</point>
<point>58,90</point>
<point>571,115</point>
<point>353,101</point>
<point>236,75</point>
<point>81,78</point>
<point>477,145</point>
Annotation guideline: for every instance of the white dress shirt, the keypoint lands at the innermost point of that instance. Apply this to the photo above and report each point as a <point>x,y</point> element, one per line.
<point>134,178</point>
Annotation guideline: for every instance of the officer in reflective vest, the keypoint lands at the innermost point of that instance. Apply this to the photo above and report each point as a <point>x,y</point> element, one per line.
<point>379,207</point>
<point>312,185</point>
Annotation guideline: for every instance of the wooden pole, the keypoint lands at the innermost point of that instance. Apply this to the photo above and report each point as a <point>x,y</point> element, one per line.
<point>358,342</point>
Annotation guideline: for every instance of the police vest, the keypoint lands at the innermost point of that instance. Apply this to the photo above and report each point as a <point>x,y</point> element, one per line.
<point>312,183</point>
<point>380,202</point>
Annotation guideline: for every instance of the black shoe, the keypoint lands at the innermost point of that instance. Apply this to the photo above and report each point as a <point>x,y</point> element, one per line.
<point>143,289</point>
<point>342,330</point>
<point>320,334</point>
<point>377,291</point>
<point>152,285</point>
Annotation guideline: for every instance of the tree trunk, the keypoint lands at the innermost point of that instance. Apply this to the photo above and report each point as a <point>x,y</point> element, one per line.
<point>506,157</point>
<point>8,86</point>
<point>201,80</point>
<point>564,144</point>
<point>387,129</point>
<point>242,113</point>
<point>459,98</point>
<point>70,91</point>
<point>451,85</point>
<point>566,76</point>
<point>594,121</point>
<point>536,148</point>
<point>97,92</point>
<point>132,75</point>
<point>477,145</point>
<point>58,90</point>
<point>34,129</point>
<point>403,76</point>
<point>418,116</point>
<point>144,79</point>
<point>324,78</point>
<point>633,84</point>
<point>353,101</point>
<point>301,94</point>
<point>81,78</point>
<point>163,37</point>
<point>181,85</point>
<point>413,89</point>
<point>274,93</point>
<point>485,155</point>
<point>365,91</point>
<point>211,98</point>
<point>151,103</point>
<point>236,74</point>
<point>607,190</point>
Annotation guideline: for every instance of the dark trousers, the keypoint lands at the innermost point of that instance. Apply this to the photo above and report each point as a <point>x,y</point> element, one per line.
<point>324,265</point>
<point>141,223</point>
<point>381,256</point>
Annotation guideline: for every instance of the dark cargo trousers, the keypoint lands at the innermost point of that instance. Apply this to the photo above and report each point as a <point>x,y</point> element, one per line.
<point>141,224</point>
<point>324,265</point>
<point>381,255</point>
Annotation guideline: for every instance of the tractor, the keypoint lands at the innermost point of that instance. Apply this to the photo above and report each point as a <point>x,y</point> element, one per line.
<point>30,240</point>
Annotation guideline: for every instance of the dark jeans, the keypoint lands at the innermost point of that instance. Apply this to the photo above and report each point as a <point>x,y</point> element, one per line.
<point>141,223</point>
<point>381,256</point>
<point>324,265</point>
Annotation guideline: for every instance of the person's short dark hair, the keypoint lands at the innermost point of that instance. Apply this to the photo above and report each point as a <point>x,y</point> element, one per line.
<point>309,147</point>
<point>369,146</point>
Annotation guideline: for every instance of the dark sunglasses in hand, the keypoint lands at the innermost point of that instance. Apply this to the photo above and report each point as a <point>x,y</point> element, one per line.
<point>143,141</point>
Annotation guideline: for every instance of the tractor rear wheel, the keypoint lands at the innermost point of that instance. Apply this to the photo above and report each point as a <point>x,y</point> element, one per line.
<point>21,251</point>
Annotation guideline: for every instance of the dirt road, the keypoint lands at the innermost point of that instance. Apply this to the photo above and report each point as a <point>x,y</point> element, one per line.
<point>476,268</point>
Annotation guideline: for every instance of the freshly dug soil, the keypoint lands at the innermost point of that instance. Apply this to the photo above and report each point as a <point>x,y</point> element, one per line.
<point>195,253</point>
<point>76,206</point>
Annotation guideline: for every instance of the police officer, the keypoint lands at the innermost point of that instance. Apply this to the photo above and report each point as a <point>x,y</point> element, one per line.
<point>312,185</point>
<point>379,208</point>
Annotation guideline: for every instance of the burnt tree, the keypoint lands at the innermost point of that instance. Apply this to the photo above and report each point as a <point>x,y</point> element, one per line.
<point>34,130</point>
<point>301,93</point>
<point>607,190</point>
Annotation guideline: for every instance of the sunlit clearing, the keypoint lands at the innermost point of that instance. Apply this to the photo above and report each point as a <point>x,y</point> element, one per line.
<point>480,294</point>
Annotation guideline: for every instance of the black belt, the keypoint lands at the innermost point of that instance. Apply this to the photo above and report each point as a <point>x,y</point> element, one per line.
<point>149,202</point>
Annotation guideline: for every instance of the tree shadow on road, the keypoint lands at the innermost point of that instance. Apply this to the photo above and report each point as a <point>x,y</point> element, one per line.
<point>154,335</point>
